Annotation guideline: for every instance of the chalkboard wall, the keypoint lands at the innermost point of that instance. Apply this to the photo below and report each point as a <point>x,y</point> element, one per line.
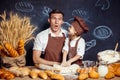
<point>102,17</point>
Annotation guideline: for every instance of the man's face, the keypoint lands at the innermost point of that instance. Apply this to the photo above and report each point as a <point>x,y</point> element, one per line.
<point>56,20</point>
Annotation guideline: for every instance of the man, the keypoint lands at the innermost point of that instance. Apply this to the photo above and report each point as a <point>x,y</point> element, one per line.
<point>49,42</point>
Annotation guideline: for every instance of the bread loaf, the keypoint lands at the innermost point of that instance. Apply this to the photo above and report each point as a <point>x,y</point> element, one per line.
<point>83,76</point>
<point>5,74</point>
<point>15,70</point>
<point>49,72</point>
<point>33,74</point>
<point>57,77</point>
<point>24,71</point>
<point>20,71</point>
<point>11,50</point>
<point>2,51</point>
<point>20,48</point>
<point>42,75</point>
<point>110,74</point>
<point>94,75</point>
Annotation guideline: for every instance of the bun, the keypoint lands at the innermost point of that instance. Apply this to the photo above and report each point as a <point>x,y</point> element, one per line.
<point>57,77</point>
<point>33,74</point>
<point>49,72</point>
<point>43,75</point>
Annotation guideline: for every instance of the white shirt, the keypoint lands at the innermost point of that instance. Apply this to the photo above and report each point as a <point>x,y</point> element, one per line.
<point>80,46</point>
<point>41,39</point>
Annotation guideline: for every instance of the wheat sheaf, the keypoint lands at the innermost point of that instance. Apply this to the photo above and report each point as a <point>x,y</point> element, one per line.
<point>15,32</point>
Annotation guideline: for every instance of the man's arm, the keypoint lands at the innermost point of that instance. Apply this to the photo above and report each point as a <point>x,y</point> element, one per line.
<point>38,60</point>
<point>64,58</point>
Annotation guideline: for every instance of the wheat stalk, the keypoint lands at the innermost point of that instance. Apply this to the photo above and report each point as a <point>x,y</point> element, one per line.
<point>15,28</point>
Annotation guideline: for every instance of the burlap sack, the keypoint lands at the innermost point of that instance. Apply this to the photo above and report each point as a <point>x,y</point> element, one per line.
<point>17,61</point>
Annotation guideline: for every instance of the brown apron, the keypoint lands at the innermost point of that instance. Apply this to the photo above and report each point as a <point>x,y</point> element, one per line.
<point>53,51</point>
<point>73,52</point>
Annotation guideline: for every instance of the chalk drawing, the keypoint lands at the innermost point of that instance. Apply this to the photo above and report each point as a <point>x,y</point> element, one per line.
<point>43,12</point>
<point>46,10</point>
<point>104,4</point>
<point>90,44</point>
<point>65,25</point>
<point>24,6</point>
<point>102,32</point>
<point>82,13</point>
<point>40,15</point>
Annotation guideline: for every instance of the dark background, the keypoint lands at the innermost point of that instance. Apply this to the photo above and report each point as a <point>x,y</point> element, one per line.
<point>102,17</point>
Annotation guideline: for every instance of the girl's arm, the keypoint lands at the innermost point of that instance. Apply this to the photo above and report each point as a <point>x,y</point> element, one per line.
<point>75,58</point>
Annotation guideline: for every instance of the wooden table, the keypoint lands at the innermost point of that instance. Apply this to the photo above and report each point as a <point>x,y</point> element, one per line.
<point>66,78</point>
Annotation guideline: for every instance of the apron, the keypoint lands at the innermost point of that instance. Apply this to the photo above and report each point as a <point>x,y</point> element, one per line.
<point>73,52</point>
<point>53,51</point>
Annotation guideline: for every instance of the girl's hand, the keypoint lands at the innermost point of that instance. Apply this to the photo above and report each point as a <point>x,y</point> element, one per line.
<point>65,64</point>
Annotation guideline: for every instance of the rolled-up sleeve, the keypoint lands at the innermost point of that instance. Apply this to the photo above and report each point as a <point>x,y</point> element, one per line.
<point>81,47</point>
<point>38,43</point>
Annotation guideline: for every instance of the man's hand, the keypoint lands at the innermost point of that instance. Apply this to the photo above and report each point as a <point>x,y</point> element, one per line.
<point>56,63</point>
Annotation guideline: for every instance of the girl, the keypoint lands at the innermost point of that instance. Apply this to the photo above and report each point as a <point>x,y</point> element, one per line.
<point>74,47</point>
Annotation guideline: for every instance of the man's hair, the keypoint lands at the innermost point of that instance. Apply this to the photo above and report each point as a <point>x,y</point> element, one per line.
<point>55,11</point>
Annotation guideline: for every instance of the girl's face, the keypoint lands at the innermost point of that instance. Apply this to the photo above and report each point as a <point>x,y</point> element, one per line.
<point>71,31</point>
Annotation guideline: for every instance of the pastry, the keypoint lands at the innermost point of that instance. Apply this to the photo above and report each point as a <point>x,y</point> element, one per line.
<point>33,74</point>
<point>49,72</point>
<point>57,77</point>
<point>83,76</point>
<point>42,75</point>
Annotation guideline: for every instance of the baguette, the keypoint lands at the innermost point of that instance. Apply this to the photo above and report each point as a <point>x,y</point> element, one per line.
<point>5,74</point>
<point>2,51</point>
<point>11,50</point>
<point>20,48</point>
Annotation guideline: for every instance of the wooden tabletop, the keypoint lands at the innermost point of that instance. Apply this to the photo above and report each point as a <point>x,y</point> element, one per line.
<point>67,77</point>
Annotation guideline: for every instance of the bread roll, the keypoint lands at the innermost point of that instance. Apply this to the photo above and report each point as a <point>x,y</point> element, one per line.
<point>94,75</point>
<point>83,76</point>
<point>117,72</point>
<point>33,74</point>
<point>42,75</point>
<point>36,70</point>
<point>109,75</point>
<point>57,77</point>
<point>15,70</point>
<point>24,71</point>
<point>49,72</point>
